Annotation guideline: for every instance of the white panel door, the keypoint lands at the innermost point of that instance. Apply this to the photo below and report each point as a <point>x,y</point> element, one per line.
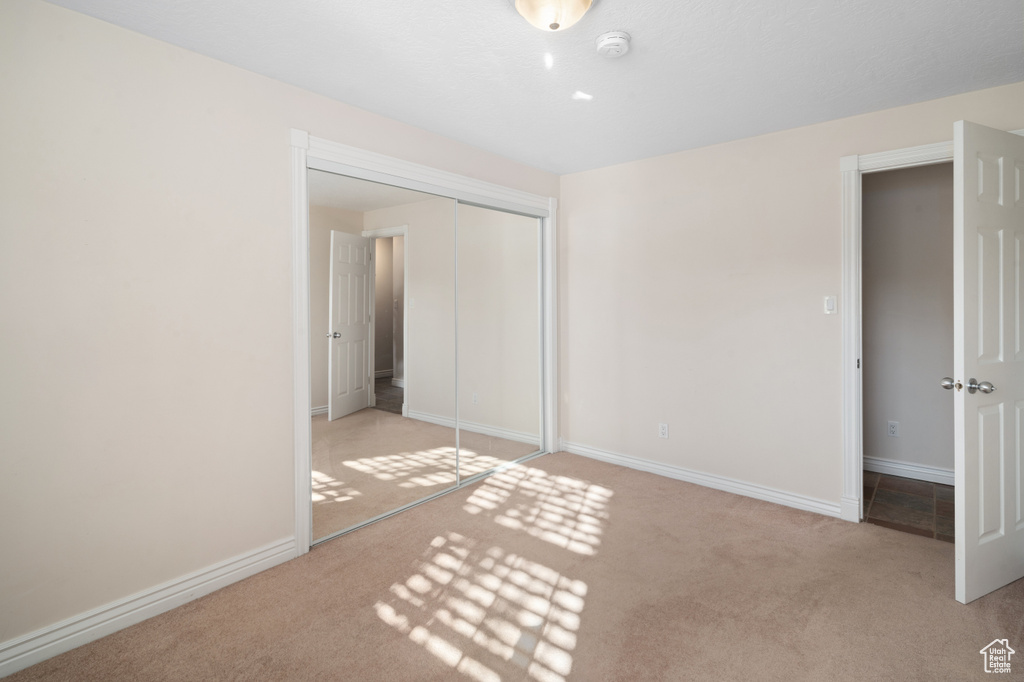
<point>349,363</point>
<point>988,347</point>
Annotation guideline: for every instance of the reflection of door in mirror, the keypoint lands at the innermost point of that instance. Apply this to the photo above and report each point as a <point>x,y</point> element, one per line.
<point>499,338</point>
<point>348,325</point>
<point>370,462</point>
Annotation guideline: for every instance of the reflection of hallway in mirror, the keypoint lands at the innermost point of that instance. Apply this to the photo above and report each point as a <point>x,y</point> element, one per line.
<point>372,462</point>
<point>389,397</point>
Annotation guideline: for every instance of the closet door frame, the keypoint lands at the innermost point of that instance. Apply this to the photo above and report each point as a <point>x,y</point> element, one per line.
<point>308,152</point>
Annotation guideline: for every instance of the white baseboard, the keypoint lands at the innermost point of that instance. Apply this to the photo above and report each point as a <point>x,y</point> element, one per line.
<point>920,472</point>
<point>18,654</point>
<point>432,418</point>
<point>484,429</point>
<point>398,383</point>
<point>729,485</point>
<point>318,410</point>
<point>381,373</point>
<point>850,509</point>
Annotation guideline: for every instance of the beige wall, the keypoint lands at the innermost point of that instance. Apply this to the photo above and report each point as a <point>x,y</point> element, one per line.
<point>384,306</point>
<point>145,279</point>
<point>907,245</point>
<point>323,219</point>
<point>691,291</point>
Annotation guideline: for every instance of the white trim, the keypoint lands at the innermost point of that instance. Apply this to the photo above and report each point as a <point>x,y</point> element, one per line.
<point>729,485</point>
<point>371,394</point>
<point>549,381</point>
<point>483,429</point>
<point>850,306</point>
<point>383,373</point>
<point>851,168</point>
<point>400,383</point>
<point>338,158</point>
<point>920,472</point>
<point>923,155</point>
<point>18,654</point>
<point>386,232</point>
<point>301,426</point>
<point>318,410</point>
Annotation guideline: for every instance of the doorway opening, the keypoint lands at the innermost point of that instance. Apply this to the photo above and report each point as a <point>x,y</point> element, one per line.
<point>987,324</point>
<point>389,321</point>
<point>907,345</point>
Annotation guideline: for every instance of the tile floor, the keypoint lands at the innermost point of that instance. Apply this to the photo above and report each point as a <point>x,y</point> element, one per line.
<point>389,398</point>
<point>910,506</point>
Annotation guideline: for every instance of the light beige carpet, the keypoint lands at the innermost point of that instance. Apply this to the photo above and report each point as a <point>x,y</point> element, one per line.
<point>371,462</point>
<point>572,569</point>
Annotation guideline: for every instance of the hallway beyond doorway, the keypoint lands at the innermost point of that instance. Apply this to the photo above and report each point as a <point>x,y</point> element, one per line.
<point>389,397</point>
<point>908,505</point>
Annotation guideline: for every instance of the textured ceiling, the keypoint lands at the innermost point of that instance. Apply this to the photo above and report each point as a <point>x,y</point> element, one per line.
<point>699,71</point>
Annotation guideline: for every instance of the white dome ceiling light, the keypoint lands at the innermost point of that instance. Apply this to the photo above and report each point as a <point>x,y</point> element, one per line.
<point>553,15</point>
<point>613,44</point>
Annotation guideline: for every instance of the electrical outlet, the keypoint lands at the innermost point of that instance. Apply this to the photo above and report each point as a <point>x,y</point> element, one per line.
<point>476,398</point>
<point>894,429</point>
<point>662,430</point>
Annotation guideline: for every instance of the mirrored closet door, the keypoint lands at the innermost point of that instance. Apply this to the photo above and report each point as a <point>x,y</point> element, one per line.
<point>382,331</point>
<point>425,327</point>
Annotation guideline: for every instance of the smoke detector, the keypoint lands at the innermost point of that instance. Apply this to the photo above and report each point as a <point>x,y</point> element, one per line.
<point>613,44</point>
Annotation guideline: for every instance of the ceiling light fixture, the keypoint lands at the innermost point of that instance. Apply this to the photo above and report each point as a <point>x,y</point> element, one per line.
<point>553,15</point>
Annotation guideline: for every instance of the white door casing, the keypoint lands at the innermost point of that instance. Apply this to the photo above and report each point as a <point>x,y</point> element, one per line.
<point>988,346</point>
<point>350,325</point>
<point>403,309</point>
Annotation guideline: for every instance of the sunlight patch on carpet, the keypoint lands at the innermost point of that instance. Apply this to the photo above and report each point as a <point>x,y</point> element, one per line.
<point>479,610</point>
<point>562,510</point>
<point>328,489</point>
<point>424,468</point>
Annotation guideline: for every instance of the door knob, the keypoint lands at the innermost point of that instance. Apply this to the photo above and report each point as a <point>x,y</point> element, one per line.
<point>334,335</point>
<point>984,386</point>
<point>948,383</point>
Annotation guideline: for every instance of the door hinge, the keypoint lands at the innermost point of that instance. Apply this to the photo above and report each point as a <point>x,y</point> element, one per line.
<point>858,363</point>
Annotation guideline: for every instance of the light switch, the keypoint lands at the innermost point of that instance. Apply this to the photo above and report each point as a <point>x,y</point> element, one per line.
<point>830,305</point>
